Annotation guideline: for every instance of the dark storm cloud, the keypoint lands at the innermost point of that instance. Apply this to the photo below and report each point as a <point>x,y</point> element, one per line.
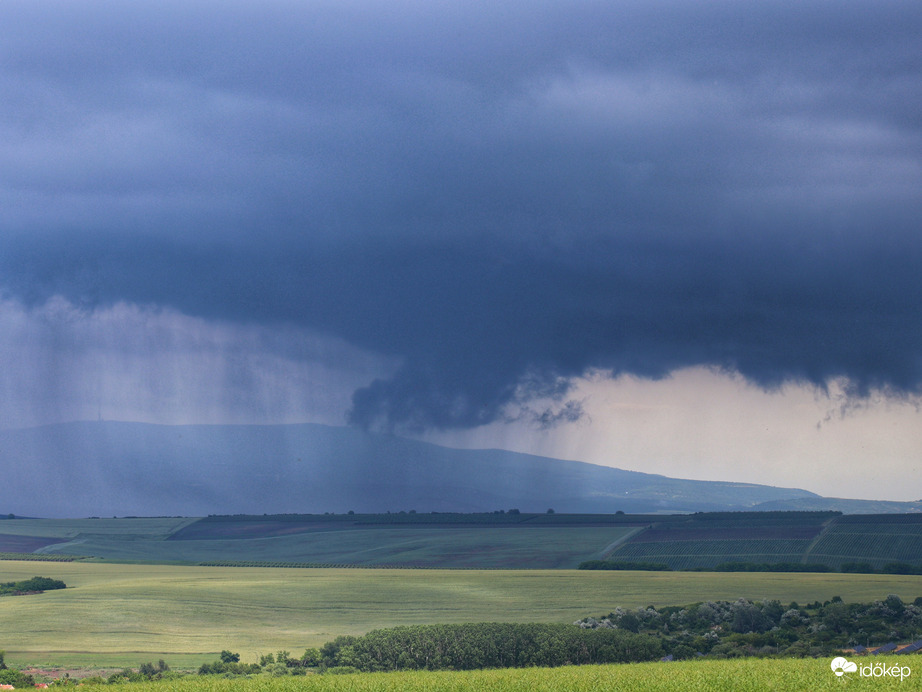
<point>504,197</point>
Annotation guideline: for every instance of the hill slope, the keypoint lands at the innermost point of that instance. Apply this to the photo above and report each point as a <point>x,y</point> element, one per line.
<point>108,468</point>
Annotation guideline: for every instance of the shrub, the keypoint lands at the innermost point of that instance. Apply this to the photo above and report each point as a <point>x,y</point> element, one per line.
<point>341,670</point>
<point>487,645</point>
<point>11,676</point>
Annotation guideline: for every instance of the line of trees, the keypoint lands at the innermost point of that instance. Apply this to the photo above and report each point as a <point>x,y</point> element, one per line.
<point>33,585</point>
<point>723,629</point>
<point>848,567</point>
<point>485,645</point>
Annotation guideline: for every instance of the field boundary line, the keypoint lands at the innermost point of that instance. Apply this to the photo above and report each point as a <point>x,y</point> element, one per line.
<point>606,552</point>
<point>826,526</point>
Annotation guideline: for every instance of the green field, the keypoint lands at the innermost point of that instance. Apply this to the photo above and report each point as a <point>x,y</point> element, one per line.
<point>707,540</point>
<point>481,541</point>
<point>876,539</point>
<point>692,554</point>
<point>735,675</point>
<point>540,546</point>
<point>110,610</point>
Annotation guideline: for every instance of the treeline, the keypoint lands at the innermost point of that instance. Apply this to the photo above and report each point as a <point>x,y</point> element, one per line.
<point>723,629</point>
<point>454,647</point>
<point>229,664</point>
<point>621,566</point>
<point>33,585</point>
<point>40,557</point>
<point>502,517</point>
<point>848,567</point>
<point>889,568</point>
<point>485,645</point>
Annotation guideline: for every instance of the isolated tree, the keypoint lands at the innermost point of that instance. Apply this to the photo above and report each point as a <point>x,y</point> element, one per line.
<point>311,658</point>
<point>228,657</point>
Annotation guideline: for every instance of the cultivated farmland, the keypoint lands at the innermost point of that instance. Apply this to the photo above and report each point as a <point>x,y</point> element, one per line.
<point>481,541</point>
<point>109,611</point>
<point>876,539</point>
<point>739,675</point>
<point>707,540</point>
<point>688,554</point>
<point>453,541</point>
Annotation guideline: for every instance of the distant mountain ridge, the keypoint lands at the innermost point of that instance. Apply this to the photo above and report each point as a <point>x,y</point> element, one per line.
<point>110,468</point>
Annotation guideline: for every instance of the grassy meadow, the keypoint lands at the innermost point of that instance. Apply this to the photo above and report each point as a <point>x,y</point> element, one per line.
<point>114,611</point>
<point>734,675</point>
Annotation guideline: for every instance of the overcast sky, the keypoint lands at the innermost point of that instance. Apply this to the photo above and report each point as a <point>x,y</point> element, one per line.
<point>671,236</point>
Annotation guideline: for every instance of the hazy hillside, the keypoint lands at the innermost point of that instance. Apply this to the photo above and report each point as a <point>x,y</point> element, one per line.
<point>107,468</point>
<point>838,504</point>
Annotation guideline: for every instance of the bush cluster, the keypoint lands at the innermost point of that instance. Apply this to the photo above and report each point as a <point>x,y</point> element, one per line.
<point>761,628</point>
<point>848,567</point>
<point>33,585</point>
<point>485,645</point>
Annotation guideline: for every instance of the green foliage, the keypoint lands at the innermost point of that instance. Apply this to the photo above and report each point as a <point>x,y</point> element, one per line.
<point>33,585</point>
<point>486,645</point>
<point>229,668</point>
<point>210,609</point>
<point>767,628</point>
<point>11,676</point>
<point>229,657</point>
<point>39,557</point>
<point>229,664</point>
<point>731,675</point>
<point>311,658</point>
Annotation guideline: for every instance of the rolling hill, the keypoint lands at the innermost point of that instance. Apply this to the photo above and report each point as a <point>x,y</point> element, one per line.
<point>110,468</point>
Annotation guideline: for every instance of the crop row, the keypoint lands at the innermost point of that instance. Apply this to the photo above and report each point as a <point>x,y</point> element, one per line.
<point>874,548</point>
<point>39,557</point>
<point>716,533</point>
<point>903,520</point>
<point>736,519</point>
<point>878,528</point>
<point>689,554</point>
